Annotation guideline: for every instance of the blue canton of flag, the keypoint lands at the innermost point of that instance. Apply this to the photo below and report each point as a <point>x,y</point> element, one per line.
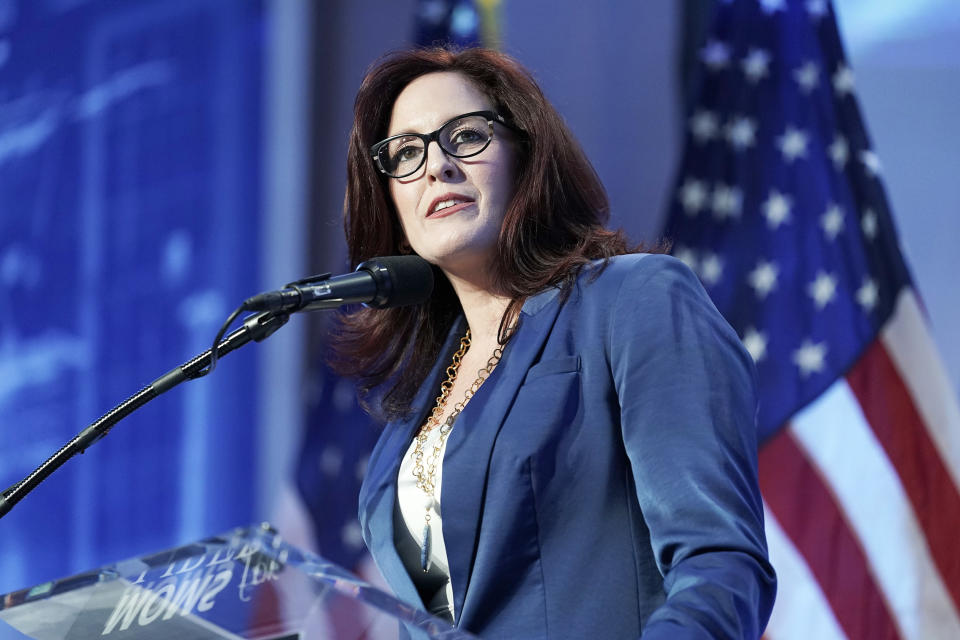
<point>332,462</point>
<point>779,207</point>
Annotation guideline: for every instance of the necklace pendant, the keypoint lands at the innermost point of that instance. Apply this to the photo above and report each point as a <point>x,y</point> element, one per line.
<point>425,561</point>
<point>446,427</point>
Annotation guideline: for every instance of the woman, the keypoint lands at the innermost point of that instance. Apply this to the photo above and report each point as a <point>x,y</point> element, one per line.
<point>570,449</point>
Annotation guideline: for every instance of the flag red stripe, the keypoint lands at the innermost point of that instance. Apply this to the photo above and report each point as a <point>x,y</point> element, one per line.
<point>889,408</point>
<point>809,514</point>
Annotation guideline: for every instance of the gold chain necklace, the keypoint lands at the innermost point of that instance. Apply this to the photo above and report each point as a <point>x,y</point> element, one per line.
<point>425,469</point>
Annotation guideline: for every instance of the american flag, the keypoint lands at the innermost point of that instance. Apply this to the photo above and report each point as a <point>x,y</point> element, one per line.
<point>781,211</point>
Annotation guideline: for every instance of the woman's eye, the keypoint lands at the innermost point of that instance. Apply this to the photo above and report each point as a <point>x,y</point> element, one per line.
<point>406,154</point>
<point>467,136</point>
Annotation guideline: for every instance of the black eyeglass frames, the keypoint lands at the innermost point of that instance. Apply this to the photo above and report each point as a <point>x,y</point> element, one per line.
<point>461,137</point>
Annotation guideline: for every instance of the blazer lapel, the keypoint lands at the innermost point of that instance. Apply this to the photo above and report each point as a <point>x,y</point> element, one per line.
<point>377,515</point>
<point>467,457</point>
<point>378,502</point>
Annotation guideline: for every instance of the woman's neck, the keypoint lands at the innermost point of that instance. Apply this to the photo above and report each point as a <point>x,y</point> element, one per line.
<point>482,308</point>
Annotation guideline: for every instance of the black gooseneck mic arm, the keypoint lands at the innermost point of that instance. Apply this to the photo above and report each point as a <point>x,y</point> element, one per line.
<point>256,327</point>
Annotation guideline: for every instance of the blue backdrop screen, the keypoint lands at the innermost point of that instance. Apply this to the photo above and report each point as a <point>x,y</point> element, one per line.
<point>130,146</point>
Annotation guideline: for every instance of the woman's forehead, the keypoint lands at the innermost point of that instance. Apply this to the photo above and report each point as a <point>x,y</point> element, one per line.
<point>434,98</point>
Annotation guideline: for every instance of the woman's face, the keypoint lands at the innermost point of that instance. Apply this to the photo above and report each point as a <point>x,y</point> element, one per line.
<point>461,238</point>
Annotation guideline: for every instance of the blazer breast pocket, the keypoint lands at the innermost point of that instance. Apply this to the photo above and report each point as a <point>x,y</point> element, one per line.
<point>566,364</point>
<point>548,403</point>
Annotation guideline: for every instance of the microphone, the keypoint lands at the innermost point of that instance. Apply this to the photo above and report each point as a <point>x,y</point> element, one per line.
<point>389,281</point>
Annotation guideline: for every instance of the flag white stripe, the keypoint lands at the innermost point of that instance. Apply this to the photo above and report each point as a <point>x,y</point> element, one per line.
<point>834,433</point>
<point>907,340</point>
<point>801,611</point>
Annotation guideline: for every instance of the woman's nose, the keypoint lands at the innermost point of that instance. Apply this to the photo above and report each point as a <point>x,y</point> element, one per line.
<point>440,166</point>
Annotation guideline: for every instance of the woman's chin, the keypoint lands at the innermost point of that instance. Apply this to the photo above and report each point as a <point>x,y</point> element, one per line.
<point>463,264</point>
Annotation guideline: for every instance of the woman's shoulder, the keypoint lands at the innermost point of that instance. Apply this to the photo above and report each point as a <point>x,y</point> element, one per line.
<point>654,271</point>
<point>604,285</point>
<point>647,290</point>
<point>653,296</point>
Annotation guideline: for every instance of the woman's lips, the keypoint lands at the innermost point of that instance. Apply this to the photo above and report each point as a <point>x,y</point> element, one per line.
<point>443,213</point>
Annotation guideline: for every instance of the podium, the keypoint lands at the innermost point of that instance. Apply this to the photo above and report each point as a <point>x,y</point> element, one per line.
<point>247,583</point>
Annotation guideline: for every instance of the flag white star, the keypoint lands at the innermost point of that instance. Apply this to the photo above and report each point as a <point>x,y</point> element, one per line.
<point>832,221</point>
<point>810,357</point>
<point>843,80</point>
<point>330,460</point>
<point>823,289</point>
<point>463,20</point>
<point>793,144</point>
<point>741,132</point>
<point>807,76</point>
<point>716,55</point>
<point>693,196</point>
<point>727,202</point>
<point>360,470</point>
<point>352,535</point>
<point>867,295</point>
<point>817,8</point>
<point>433,11</point>
<point>756,65</point>
<point>763,278</point>
<point>771,6</point>
<point>839,152</point>
<point>344,396</point>
<point>711,269</point>
<point>871,161</point>
<point>687,256</point>
<point>869,224</point>
<point>755,343</point>
<point>776,209</point>
<point>704,125</point>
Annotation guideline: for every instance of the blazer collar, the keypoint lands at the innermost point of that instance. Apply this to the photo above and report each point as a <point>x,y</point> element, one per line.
<point>535,304</point>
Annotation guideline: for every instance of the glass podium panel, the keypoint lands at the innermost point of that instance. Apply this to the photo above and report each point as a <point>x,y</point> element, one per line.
<point>247,583</point>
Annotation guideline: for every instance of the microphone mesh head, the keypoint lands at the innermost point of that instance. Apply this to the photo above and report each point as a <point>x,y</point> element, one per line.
<point>401,280</point>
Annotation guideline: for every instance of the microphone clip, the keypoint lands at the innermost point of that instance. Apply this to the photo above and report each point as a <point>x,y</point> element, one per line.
<point>289,297</point>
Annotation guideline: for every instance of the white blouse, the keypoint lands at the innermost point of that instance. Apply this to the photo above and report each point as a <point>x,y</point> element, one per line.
<point>434,585</point>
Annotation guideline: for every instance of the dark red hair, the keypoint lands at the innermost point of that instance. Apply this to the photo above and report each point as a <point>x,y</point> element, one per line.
<point>553,226</point>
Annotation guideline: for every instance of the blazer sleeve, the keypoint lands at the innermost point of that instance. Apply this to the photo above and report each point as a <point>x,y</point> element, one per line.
<point>687,392</point>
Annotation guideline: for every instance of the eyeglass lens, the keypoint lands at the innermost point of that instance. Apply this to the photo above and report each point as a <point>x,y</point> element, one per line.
<point>460,138</point>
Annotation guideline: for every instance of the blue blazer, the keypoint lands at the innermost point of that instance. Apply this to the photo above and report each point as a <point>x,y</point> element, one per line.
<point>602,483</point>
